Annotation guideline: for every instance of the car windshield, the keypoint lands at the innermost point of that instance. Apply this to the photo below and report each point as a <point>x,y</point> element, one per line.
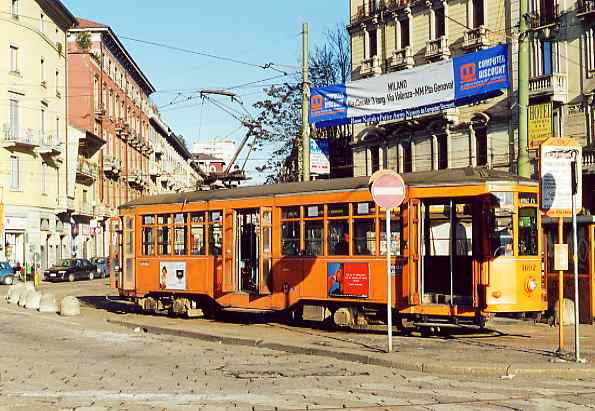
<point>67,262</point>
<point>4,265</point>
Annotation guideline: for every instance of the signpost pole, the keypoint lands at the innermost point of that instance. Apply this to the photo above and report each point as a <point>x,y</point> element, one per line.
<point>389,298</point>
<point>560,292</point>
<point>577,345</point>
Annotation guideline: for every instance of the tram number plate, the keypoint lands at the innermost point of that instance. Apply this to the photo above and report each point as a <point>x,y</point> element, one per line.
<point>560,257</point>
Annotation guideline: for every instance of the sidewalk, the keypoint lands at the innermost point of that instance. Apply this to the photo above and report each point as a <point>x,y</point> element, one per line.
<point>509,348</point>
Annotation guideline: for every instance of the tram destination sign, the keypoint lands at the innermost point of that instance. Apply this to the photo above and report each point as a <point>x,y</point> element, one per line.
<point>388,189</point>
<point>557,155</point>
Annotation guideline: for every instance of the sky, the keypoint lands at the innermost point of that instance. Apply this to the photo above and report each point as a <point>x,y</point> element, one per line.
<point>256,32</point>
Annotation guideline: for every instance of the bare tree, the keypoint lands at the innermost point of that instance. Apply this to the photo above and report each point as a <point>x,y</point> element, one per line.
<point>279,113</point>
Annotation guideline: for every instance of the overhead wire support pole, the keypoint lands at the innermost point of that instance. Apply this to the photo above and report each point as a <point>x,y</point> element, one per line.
<point>523,91</point>
<point>305,109</point>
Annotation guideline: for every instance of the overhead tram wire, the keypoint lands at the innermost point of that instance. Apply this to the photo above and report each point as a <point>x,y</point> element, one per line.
<point>267,66</point>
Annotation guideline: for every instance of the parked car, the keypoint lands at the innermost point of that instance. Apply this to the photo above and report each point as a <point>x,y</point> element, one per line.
<point>101,263</point>
<point>6,273</point>
<point>71,269</point>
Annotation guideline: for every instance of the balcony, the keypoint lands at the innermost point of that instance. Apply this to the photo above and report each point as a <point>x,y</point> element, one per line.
<point>99,113</point>
<point>154,170</point>
<point>391,5</point>
<point>370,67</point>
<point>135,179</point>
<point>554,85</point>
<point>13,137</point>
<point>83,209</point>
<point>475,39</point>
<point>437,49</point>
<point>49,145</point>
<point>364,12</point>
<point>112,166</point>
<point>585,9</point>
<point>400,59</point>
<point>547,17</point>
<point>86,172</point>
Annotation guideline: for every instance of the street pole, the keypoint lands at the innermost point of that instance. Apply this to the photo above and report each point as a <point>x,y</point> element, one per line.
<point>389,294</point>
<point>305,109</point>
<point>560,292</point>
<point>577,349</point>
<point>523,91</point>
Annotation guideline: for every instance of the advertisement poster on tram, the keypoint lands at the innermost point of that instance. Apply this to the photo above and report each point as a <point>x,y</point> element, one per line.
<point>172,275</point>
<point>348,280</point>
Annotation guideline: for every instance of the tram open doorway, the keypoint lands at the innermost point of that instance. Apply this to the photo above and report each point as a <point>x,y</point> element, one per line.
<point>446,269</point>
<point>247,246</point>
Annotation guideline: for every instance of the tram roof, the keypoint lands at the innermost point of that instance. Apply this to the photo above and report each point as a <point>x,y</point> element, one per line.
<point>449,177</point>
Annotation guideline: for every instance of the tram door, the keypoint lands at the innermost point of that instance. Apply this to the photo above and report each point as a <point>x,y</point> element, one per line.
<point>446,272</point>
<point>128,272</point>
<point>115,253</point>
<point>247,250</point>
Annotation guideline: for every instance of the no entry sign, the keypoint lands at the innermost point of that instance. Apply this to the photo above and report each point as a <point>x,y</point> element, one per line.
<point>388,189</point>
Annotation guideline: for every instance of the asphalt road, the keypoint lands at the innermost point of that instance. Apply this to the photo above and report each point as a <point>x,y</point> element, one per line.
<point>52,362</point>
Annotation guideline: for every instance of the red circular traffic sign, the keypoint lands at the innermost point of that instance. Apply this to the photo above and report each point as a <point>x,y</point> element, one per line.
<point>388,189</point>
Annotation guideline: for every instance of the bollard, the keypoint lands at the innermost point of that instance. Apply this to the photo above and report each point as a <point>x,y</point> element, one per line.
<point>47,304</point>
<point>70,306</point>
<point>32,300</point>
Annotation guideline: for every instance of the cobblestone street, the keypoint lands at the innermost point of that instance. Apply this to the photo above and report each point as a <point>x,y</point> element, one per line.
<point>51,362</point>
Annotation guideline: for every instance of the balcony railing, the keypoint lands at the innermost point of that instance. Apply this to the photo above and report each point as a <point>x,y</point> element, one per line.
<point>585,8</point>
<point>14,137</point>
<point>370,67</point>
<point>401,59</point>
<point>554,85</point>
<point>548,16</point>
<point>112,166</point>
<point>84,209</point>
<point>396,4</point>
<point>363,12</point>
<point>86,171</point>
<point>476,38</point>
<point>437,48</point>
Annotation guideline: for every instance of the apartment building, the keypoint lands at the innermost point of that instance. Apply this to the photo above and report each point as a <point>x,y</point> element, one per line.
<point>34,225</point>
<point>124,149</point>
<point>394,35</point>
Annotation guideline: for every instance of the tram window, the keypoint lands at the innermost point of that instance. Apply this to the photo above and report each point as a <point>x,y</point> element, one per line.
<point>364,236</point>
<point>314,211</point>
<point>528,231</point>
<point>164,234</point>
<point>148,241</point>
<point>314,238</point>
<point>290,212</point>
<point>215,232</point>
<point>148,220</point>
<point>197,233</point>
<point>180,234</point>
<point>501,240</point>
<point>290,238</point>
<point>364,208</point>
<point>338,237</point>
<point>338,210</point>
<point>395,233</point>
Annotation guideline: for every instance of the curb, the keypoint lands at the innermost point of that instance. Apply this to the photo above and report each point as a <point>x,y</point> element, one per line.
<point>434,368</point>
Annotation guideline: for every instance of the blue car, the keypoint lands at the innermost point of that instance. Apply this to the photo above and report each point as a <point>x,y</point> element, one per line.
<point>6,273</point>
<point>101,263</point>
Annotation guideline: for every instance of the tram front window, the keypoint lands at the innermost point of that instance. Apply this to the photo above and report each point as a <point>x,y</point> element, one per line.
<point>502,213</point>
<point>528,231</point>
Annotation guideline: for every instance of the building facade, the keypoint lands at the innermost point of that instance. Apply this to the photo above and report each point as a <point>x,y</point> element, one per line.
<point>124,149</point>
<point>394,35</point>
<point>34,136</point>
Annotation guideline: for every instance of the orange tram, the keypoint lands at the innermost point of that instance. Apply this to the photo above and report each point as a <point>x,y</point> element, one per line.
<point>466,244</point>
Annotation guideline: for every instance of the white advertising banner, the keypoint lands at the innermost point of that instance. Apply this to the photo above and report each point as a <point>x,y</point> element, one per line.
<point>319,157</point>
<point>557,154</point>
<point>172,275</point>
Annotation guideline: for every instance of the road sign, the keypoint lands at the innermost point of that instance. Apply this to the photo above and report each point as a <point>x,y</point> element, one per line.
<point>556,176</point>
<point>388,189</point>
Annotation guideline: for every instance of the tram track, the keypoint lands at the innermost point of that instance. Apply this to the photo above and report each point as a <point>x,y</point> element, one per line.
<point>496,402</point>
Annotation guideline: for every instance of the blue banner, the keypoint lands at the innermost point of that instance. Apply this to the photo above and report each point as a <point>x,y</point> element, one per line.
<point>414,92</point>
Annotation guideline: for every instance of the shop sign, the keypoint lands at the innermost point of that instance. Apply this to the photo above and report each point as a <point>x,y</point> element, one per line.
<point>319,157</point>
<point>15,223</point>
<point>540,126</point>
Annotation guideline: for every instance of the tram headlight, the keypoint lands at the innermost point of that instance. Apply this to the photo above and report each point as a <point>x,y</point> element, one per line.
<point>531,284</point>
